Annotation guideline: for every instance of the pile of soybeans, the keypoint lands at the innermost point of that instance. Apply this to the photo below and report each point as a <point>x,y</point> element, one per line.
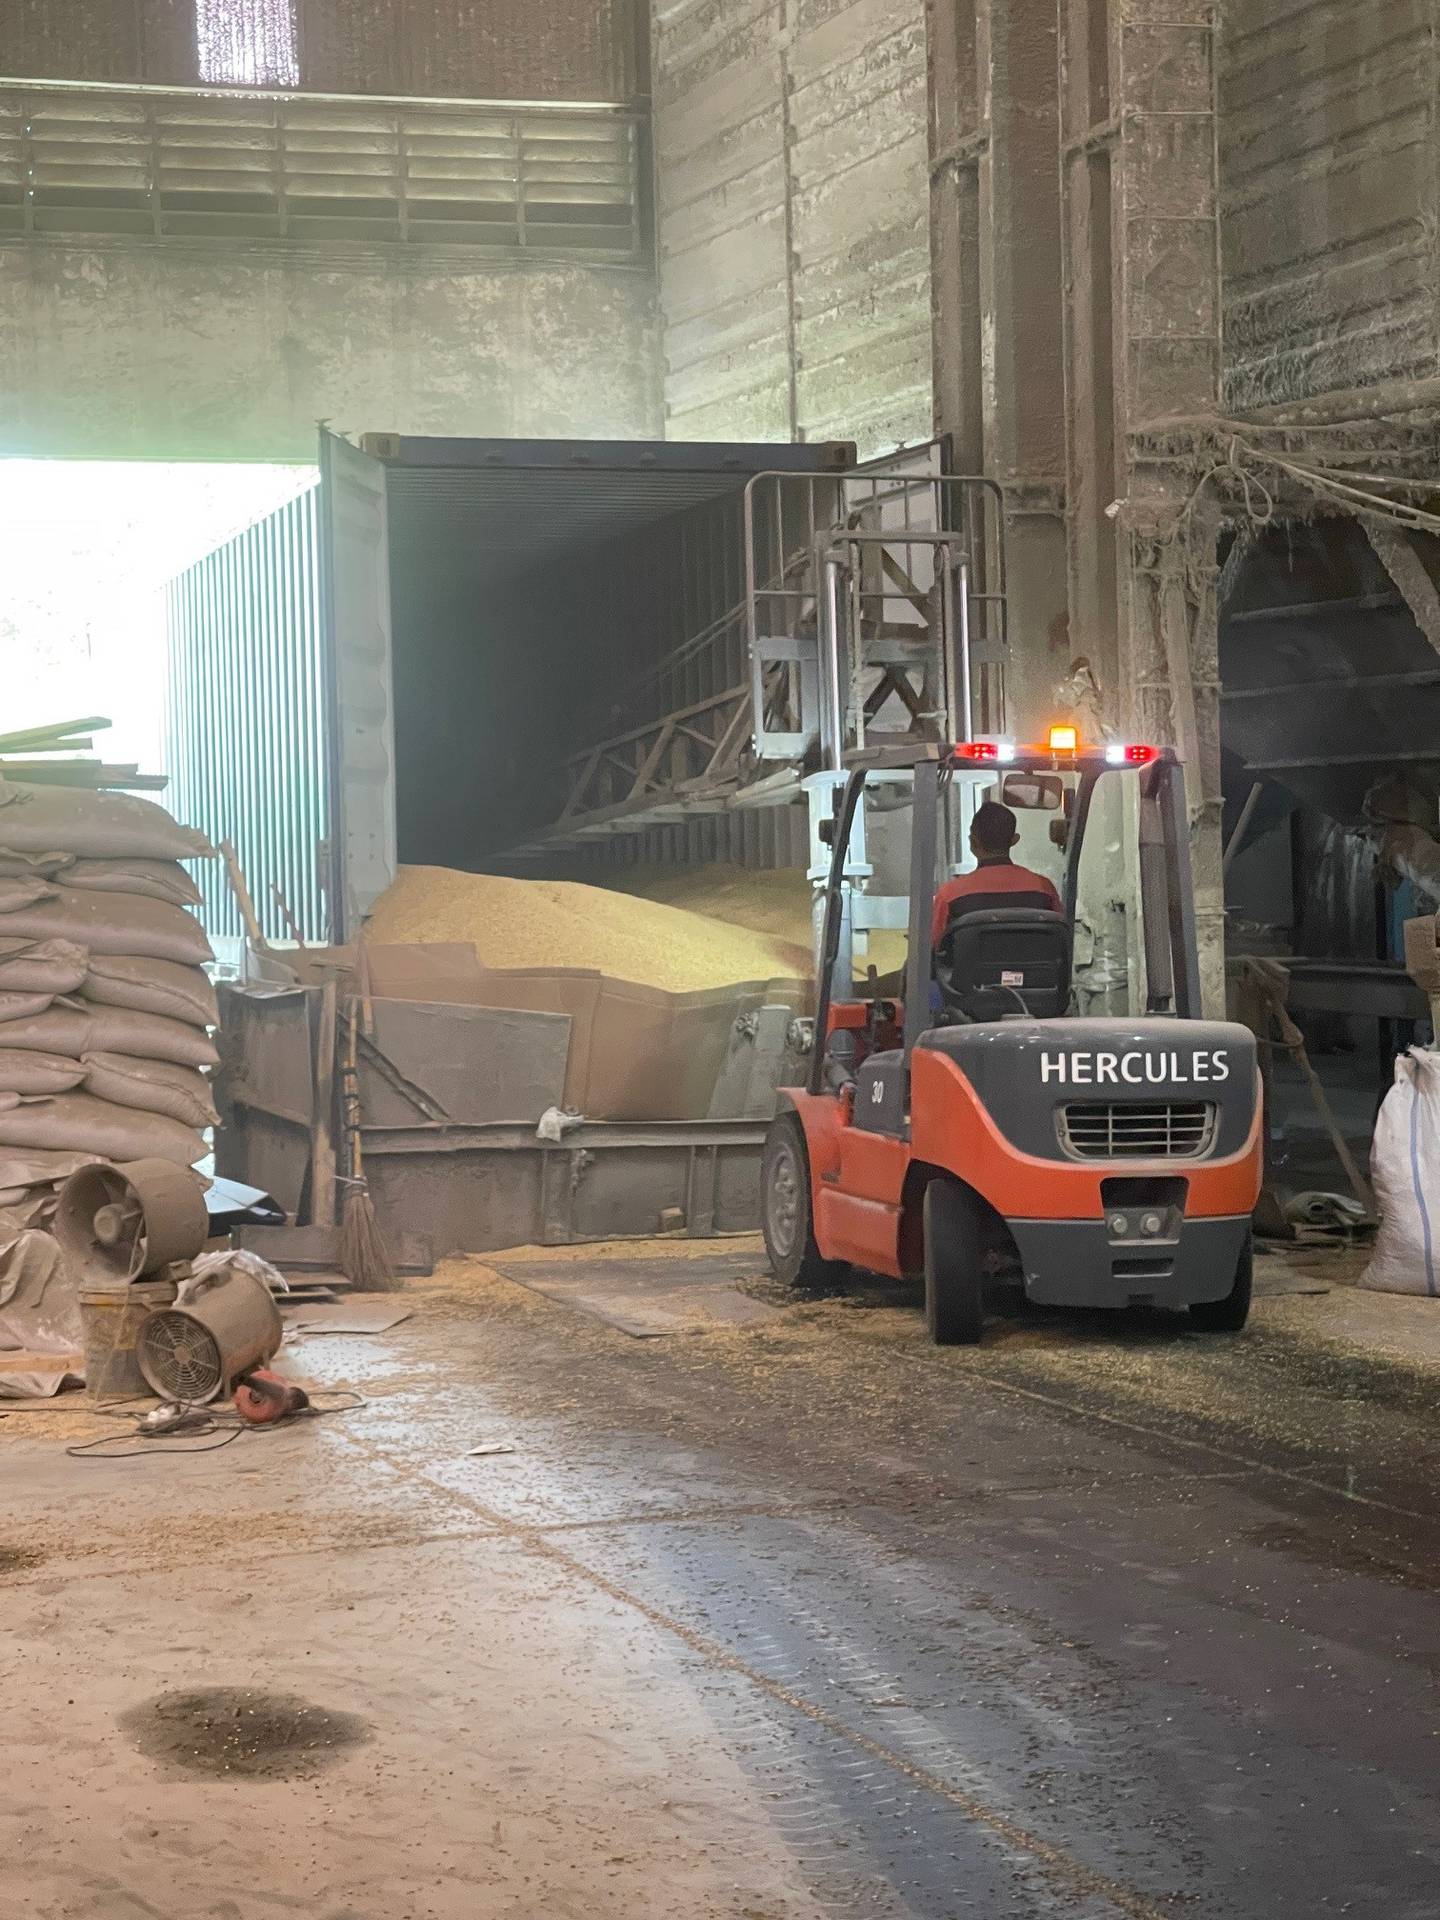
<point>560,923</point>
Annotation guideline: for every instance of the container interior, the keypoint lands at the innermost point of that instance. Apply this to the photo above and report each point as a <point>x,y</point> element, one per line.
<point>535,611</point>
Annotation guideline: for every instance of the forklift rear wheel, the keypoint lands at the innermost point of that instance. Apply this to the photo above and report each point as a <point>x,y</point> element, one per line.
<point>786,1216</point>
<point>954,1265</point>
<point>1230,1314</point>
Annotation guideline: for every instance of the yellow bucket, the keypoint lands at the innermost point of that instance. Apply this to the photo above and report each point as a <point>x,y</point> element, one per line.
<point>111,1319</point>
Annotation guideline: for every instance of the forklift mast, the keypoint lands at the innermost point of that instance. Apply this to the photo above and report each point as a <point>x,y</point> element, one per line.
<point>878,638</point>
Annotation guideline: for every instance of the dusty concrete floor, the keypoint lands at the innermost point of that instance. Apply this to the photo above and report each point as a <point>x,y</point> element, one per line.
<point>789,1620</point>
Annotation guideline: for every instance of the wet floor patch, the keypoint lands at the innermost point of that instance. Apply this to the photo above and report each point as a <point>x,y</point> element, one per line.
<point>242,1733</point>
<point>1339,1552</point>
<point>19,1559</point>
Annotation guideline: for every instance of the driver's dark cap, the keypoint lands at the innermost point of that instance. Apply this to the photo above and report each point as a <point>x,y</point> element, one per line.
<point>994,826</point>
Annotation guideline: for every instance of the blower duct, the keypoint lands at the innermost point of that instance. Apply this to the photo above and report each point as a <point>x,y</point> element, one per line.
<point>120,1224</point>
<point>195,1352</point>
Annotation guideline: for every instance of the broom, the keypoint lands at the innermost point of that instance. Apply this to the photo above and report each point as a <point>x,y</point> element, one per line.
<point>364,1257</point>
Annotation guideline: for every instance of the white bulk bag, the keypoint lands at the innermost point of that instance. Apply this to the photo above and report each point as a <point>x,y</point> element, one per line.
<point>1405,1170</point>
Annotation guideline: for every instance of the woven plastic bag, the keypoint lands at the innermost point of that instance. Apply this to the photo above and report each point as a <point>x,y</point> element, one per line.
<point>1405,1171</point>
<point>151,879</point>
<point>152,986</point>
<point>79,1123</point>
<point>144,1036</point>
<point>22,1006</point>
<point>41,966</point>
<point>123,923</point>
<point>27,1070</point>
<point>96,826</point>
<point>154,1086</point>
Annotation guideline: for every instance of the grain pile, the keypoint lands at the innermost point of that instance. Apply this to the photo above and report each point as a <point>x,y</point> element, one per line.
<point>561,923</point>
<point>778,902</point>
<point>104,1002</point>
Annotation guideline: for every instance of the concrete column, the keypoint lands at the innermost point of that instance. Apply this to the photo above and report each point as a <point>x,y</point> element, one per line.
<point>996,297</point>
<point>1138,141</point>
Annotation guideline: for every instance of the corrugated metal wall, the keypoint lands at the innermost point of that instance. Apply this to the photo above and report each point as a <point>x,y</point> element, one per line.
<point>1329,195</point>
<point>454,49</point>
<point>244,716</point>
<point>793,219</point>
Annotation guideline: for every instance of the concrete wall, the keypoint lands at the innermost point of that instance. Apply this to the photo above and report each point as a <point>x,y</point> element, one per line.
<point>1329,180</point>
<point>790,140</point>
<point>170,352</point>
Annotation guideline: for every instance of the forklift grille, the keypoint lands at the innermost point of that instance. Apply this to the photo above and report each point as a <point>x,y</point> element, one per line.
<point>1116,1130</point>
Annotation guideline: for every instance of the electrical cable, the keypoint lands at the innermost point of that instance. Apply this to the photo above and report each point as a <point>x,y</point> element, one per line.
<point>86,1449</point>
<point>161,1444</point>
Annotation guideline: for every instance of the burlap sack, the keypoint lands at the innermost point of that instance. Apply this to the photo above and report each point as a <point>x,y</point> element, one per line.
<point>27,1070</point>
<point>79,1123</point>
<point>19,1006</point>
<point>151,879</point>
<point>142,1036</point>
<point>154,1086</point>
<point>96,826</point>
<point>152,986</point>
<point>103,922</point>
<point>40,966</point>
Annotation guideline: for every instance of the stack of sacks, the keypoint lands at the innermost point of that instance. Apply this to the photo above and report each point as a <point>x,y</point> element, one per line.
<point>104,1003</point>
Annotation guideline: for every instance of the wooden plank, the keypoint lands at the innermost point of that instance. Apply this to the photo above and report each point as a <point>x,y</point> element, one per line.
<point>248,915</point>
<point>28,739</point>
<point>323,1208</point>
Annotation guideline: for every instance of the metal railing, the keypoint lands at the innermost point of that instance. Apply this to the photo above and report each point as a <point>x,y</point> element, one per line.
<point>171,162</point>
<point>887,615</point>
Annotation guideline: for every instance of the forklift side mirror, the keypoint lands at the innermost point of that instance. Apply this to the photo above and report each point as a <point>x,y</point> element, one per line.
<point>827,832</point>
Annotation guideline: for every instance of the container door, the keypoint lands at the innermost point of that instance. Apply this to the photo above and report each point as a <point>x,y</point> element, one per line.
<point>356,600</point>
<point>927,459</point>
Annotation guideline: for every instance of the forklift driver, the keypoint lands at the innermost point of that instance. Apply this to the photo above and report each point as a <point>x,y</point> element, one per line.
<point>997,881</point>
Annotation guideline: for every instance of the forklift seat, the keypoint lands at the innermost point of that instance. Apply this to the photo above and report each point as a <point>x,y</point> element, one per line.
<point>1005,960</point>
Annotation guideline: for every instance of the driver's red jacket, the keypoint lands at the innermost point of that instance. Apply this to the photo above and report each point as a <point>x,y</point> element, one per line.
<point>994,883</point>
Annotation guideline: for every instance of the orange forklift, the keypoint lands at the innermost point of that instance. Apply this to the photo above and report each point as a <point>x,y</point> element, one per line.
<point>1040,1096</point>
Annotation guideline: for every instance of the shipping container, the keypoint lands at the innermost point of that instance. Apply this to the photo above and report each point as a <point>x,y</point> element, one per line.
<point>398,666</point>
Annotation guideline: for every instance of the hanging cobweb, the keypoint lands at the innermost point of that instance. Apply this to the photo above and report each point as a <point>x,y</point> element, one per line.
<point>248,43</point>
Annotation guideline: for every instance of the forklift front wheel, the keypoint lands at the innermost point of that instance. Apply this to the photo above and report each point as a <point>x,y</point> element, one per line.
<point>1228,1315</point>
<point>954,1264</point>
<point>786,1216</point>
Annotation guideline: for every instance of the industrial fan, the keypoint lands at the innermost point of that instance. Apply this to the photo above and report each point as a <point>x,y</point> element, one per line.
<point>225,1329</point>
<point>119,1224</point>
<point>214,1325</point>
